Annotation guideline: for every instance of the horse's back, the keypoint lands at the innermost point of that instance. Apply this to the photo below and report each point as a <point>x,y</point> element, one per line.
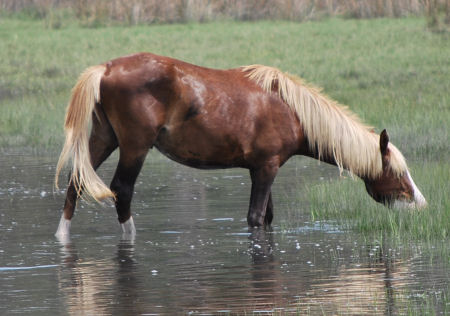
<point>198,116</point>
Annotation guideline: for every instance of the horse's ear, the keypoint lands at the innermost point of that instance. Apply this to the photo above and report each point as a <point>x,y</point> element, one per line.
<point>384,141</point>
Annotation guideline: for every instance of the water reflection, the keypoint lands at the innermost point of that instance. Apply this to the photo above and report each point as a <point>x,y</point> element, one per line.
<point>267,281</point>
<point>368,289</point>
<point>266,278</point>
<point>100,287</point>
<point>193,252</point>
<point>77,282</point>
<point>128,287</point>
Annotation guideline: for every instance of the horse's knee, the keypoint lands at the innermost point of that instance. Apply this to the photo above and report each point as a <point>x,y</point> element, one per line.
<point>117,187</point>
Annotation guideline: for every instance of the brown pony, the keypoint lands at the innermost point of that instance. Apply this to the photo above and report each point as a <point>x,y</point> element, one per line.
<point>253,117</point>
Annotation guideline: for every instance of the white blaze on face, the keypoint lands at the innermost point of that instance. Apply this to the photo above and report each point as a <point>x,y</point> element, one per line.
<point>419,201</point>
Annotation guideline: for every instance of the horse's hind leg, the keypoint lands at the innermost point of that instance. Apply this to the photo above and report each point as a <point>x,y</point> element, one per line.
<point>102,142</point>
<point>130,164</point>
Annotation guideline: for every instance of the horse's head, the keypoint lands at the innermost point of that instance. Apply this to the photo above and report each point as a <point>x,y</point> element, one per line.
<point>391,188</point>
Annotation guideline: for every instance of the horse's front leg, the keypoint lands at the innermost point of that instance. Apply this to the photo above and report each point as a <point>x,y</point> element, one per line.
<point>269,211</point>
<point>122,185</point>
<point>260,198</point>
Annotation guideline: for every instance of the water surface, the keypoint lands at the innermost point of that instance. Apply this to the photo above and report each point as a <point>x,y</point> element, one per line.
<point>193,252</point>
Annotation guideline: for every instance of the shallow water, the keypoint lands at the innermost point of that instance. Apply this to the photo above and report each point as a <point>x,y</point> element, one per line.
<point>193,252</point>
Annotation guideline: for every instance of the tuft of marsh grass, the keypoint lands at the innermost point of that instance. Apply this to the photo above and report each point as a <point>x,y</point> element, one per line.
<point>348,203</point>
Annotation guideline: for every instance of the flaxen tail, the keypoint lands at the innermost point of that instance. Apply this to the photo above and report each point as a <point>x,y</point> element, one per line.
<point>85,95</point>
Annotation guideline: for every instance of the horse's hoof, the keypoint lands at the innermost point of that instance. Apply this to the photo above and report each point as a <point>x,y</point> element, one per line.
<point>128,227</point>
<point>63,231</point>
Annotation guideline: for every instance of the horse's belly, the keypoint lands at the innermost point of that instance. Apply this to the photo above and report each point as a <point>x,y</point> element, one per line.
<point>195,162</point>
<point>199,149</point>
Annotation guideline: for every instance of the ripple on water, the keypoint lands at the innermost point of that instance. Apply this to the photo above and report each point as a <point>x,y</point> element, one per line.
<point>198,255</point>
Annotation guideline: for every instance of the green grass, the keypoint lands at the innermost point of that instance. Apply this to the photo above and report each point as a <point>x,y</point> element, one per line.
<point>348,202</point>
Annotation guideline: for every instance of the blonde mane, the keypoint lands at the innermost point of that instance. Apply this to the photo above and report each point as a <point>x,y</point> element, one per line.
<point>332,130</point>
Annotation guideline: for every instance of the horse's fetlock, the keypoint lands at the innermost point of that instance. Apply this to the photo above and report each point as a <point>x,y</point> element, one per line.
<point>254,220</point>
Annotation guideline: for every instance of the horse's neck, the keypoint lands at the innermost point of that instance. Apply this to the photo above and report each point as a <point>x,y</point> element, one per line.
<point>330,159</point>
<point>324,158</point>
